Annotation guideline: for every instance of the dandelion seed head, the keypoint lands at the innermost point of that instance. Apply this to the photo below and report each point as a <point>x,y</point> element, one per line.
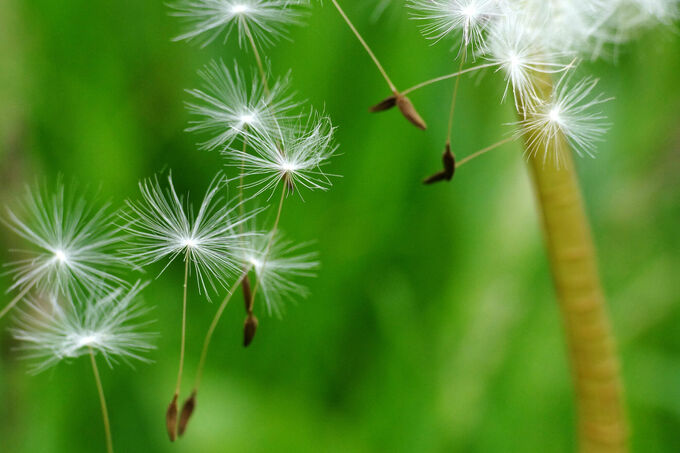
<point>109,323</point>
<point>517,50</point>
<point>71,245</point>
<point>265,21</point>
<point>278,264</point>
<point>291,153</point>
<point>248,118</point>
<point>229,104</point>
<point>60,256</point>
<point>444,18</point>
<point>240,8</point>
<point>190,243</point>
<point>554,115</point>
<point>570,114</point>
<point>163,226</point>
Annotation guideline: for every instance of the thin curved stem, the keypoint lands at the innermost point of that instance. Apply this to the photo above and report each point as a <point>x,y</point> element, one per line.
<point>260,66</point>
<point>184,324</point>
<point>446,77</point>
<point>271,241</point>
<point>454,96</point>
<point>368,49</point>
<point>102,401</point>
<point>16,300</point>
<point>211,330</point>
<point>483,151</point>
<point>242,208</point>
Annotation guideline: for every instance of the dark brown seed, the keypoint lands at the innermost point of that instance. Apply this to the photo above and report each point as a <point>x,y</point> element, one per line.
<point>385,104</point>
<point>439,176</point>
<point>409,112</point>
<point>247,294</point>
<point>187,410</point>
<point>171,419</point>
<point>449,162</point>
<point>249,329</point>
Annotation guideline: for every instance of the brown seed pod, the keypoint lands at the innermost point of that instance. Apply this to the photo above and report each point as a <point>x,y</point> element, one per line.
<point>187,410</point>
<point>247,293</point>
<point>449,162</point>
<point>249,329</point>
<point>171,419</point>
<point>383,105</point>
<point>409,111</point>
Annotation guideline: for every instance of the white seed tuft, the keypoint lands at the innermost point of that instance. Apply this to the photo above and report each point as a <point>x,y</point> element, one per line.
<point>64,328</point>
<point>164,226</point>
<point>265,21</point>
<point>569,114</point>
<point>228,104</point>
<point>72,244</point>
<point>293,154</point>
<point>277,266</point>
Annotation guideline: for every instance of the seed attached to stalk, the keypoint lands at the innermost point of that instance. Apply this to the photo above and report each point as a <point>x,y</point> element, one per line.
<point>405,107</point>
<point>449,162</point>
<point>171,419</point>
<point>409,111</point>
<point>249,329</point>
<point>385,104</point>
<point>247,294</point>
<point>187,410</point>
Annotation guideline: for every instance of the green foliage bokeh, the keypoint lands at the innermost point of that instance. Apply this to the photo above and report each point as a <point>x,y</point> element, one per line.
<point>432,325</point>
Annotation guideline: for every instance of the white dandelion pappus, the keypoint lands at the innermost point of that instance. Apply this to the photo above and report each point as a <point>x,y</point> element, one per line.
<point>228,104</point>
<point>277,263</point>
<point>265,21</point>
<point>516,48</point>
<point>446,17</point>
<point>294,155</point>
<point>109,324</point>
<point>74,243</point>
<point>623,19</point>
<point>568,27</point>
<point>569,113</point>
<point>163,225</point>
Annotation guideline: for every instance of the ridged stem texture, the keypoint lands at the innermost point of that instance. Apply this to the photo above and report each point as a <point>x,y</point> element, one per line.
<point>602,423</point>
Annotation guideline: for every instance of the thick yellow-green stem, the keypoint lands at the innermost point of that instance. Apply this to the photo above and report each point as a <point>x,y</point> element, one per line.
<point>595,366</point>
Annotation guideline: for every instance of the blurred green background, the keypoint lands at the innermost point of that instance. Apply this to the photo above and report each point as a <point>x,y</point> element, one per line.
<point>432,325</point>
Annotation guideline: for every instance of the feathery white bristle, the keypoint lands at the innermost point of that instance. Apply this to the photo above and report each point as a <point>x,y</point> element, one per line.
<point>228,104</point>
<point>447,17</point>
<point>517,50</point>
<point>164,226</point>
<point>570,113</point>
<point>277,267</point>
<point>264,20</point>
<point>72,244</point>
<point>108,323</point>
<point>290,153</point>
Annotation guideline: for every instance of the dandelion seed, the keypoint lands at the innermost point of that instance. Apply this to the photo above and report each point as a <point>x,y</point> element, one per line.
<point>107,324</point>
<point>516,48</point>
<point>228,105</point>
<point>293,155</point>
<point>277,264</point>
<point>163,226</point>
<point>73,244</point>
<point>65,328</point>
<point>569,113</point>
<point>265,21</point>
<point>446,17</point>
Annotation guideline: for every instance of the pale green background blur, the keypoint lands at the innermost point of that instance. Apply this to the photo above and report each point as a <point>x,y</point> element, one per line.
<point>432,325</point>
